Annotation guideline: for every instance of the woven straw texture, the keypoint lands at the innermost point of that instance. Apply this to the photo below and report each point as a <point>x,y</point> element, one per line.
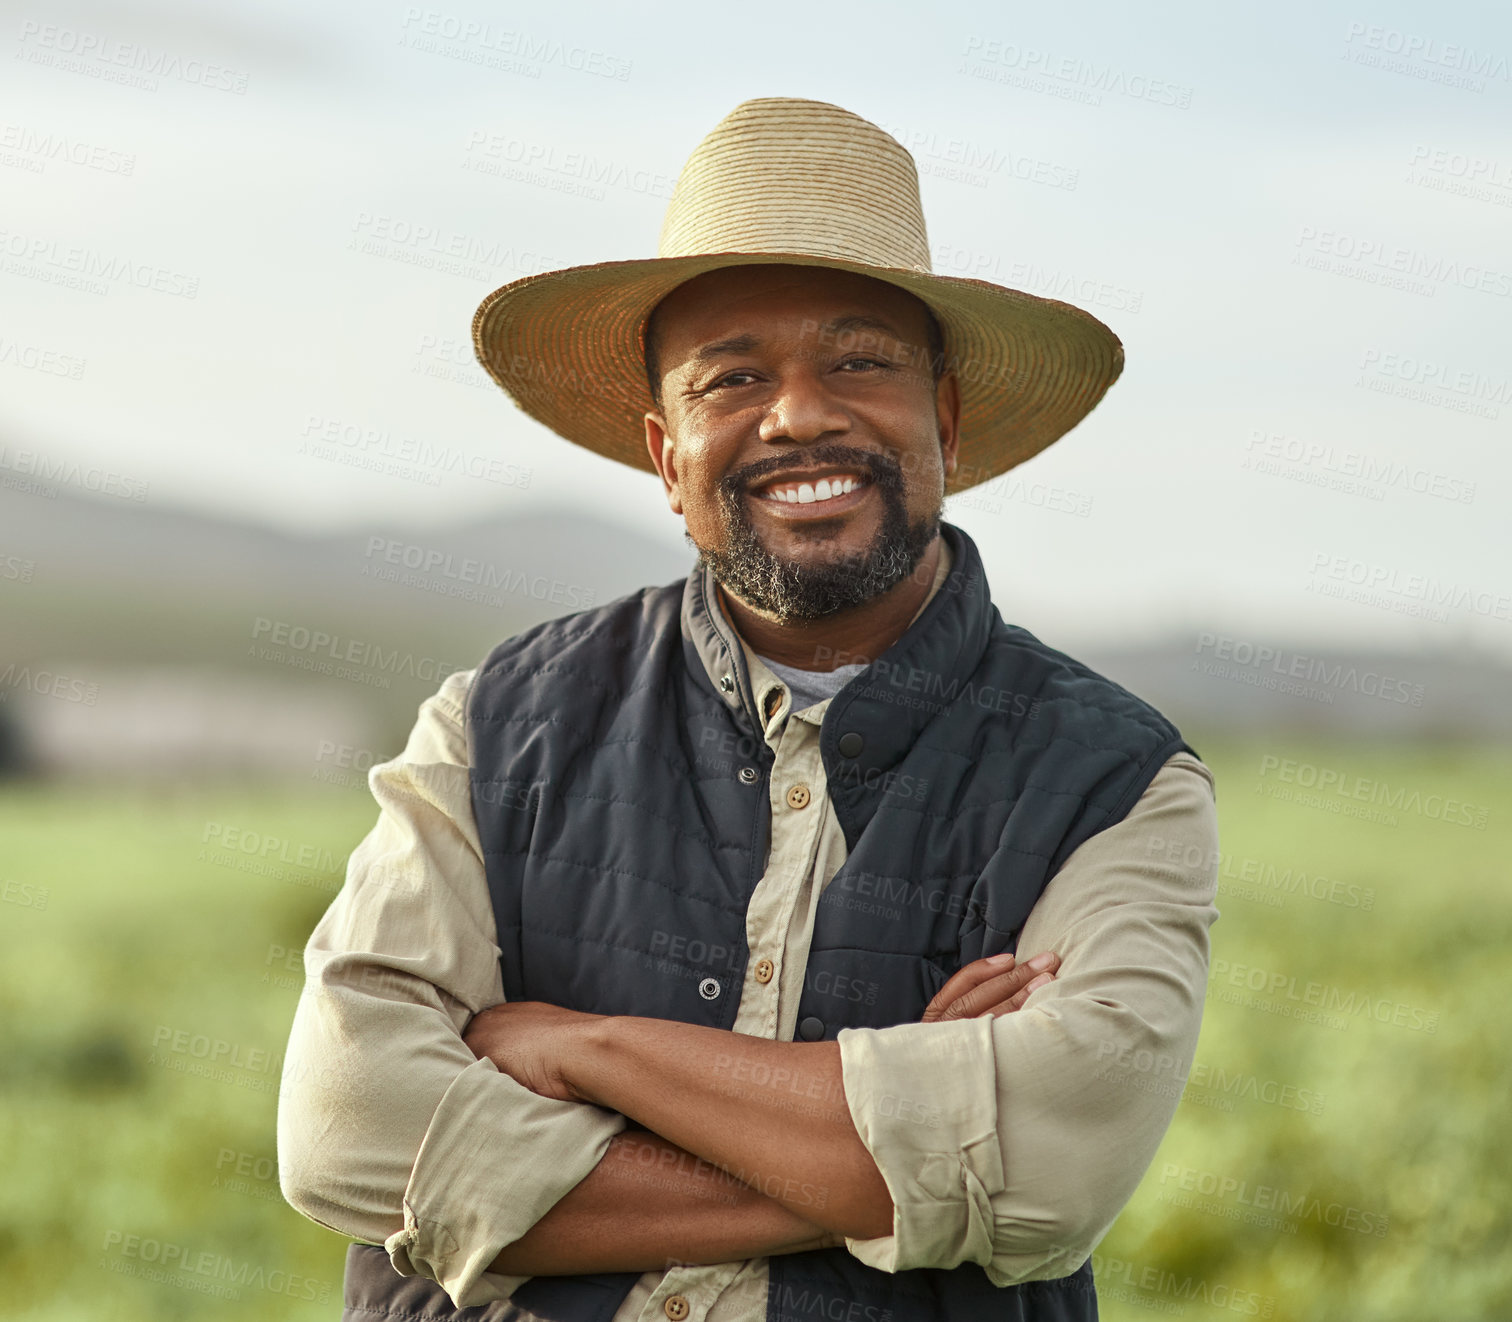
<point>810,184</point>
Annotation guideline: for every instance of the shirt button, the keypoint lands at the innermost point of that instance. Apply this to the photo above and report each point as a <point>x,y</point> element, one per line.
<point>811,1029</point>
<point>851,744</point>
<point>798,796</point>
<point>764,970</point>
<point>748,776</point>
<point>676,1307</point>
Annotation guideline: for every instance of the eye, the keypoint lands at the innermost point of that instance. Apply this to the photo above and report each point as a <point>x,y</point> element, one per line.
<point>866,362</point>
<point>731,379</point>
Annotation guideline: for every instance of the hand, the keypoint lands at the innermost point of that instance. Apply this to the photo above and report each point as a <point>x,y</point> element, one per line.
<point>533,1042</point>
<point>992,986</point>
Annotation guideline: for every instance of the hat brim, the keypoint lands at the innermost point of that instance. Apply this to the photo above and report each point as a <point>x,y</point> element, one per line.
<point>566,347</point>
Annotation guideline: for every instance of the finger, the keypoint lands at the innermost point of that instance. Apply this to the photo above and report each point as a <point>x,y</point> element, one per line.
<point>994,991</point>
<point>979,993</point>
<point>973,975</point>
<point>967,977</point>
<point>979,1005</point>
<point>1016,1001</point>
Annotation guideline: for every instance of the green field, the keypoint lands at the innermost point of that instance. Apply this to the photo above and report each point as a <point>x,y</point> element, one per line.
<point>1343,1158</point>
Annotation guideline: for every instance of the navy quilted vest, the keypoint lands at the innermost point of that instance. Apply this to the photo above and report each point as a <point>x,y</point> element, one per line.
<point>622,803</point>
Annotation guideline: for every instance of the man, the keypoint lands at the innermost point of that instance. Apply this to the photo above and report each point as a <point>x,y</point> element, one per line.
<point>679,978</point>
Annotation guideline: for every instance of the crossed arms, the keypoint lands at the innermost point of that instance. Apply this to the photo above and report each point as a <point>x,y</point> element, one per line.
<point>753,1175</point>
<point>393,1129</point>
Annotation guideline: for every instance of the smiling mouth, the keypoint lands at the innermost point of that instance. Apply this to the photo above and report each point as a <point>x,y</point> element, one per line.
<point>833,486</point>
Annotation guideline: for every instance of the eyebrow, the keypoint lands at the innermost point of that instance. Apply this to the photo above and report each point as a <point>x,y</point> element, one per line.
<point>717,348</point>
<point>855,321</point>
<point>860,321</point>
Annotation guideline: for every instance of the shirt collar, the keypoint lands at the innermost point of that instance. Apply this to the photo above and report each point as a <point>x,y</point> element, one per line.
<point>771,694</point>
<point>737,674</point>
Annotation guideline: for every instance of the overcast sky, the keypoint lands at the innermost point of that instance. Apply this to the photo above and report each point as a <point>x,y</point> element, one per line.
<point>1297,217</point>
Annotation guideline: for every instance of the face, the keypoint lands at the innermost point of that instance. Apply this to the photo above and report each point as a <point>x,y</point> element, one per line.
<point>802,435</point>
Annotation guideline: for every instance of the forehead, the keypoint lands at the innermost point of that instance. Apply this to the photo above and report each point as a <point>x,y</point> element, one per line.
<point>777,300</point>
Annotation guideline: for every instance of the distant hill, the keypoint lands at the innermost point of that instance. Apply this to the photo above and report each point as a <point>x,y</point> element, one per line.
<point>142,562</point>
<point>90,587</point>
<point>1200,684</point>
<point>137,636</point>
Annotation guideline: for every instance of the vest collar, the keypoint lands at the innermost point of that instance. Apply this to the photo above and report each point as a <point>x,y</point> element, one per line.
<point>944,643</point>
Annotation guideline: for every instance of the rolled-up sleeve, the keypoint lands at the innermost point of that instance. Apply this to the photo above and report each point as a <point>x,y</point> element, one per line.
<point>1015,1141</point>
<point>389,1129</point>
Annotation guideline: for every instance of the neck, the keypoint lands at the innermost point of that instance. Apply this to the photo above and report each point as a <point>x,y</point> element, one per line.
<point>861,633</point>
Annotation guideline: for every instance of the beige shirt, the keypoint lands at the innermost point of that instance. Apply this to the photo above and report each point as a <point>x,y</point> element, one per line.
<point>1034,1140</point>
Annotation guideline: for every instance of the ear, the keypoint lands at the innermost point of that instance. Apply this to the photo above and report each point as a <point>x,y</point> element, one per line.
<point>664,458</point>
<point>948,419</point>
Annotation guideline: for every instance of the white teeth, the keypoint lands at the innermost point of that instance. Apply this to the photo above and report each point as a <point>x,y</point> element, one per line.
<point>806,493</point>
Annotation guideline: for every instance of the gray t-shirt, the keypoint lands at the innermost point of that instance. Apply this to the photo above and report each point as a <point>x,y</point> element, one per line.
<point>806,687</point>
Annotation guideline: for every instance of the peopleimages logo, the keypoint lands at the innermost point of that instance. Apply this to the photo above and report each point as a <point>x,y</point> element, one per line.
<point>29,464</point>
<point>46,259</point>
<point>1030,67</point>
<point>1034,278</point>
<point>1256,663</point>
<point>970,161</point>
<point>1374,259</point>
<point>464,577</point>
<point>1370,39</point>
<point>1367,789</point>
<point>1280,987</point>
<point>1303,1206</point>
<point>206,1271</point>
<point>1347,470</point>
<point>1120,1279</point>
<point>1273,1092</point>
<point>1376,584</point>
<point>41,147</point>
<point>47,684</point>
<point>1271,882</point>
<point>506,49</point>
<point>34,358</point>
<point>314,649</point>
<point>116,61</point>
<point>535,162</point>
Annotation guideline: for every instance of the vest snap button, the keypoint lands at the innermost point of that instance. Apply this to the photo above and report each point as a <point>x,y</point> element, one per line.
<point>708,989</point>
<point>851,744</point>
<point>749,775</point>
<point>726,684</point>
<point>676,1307</point>
<point>811,1029</point>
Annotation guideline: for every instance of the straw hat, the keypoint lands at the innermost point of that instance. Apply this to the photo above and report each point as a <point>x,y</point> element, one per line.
<point>810,184</point>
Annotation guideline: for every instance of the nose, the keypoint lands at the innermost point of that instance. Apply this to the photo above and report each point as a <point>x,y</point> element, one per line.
<point>803,410</point>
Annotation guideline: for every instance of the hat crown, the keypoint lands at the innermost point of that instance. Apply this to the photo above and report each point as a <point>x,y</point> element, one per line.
<point>783,175</point>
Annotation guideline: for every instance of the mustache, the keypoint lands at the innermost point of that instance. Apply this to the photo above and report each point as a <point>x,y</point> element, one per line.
<point>882,469</point>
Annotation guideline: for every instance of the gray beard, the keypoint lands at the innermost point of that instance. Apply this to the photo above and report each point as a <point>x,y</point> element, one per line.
<point>798,593</point>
